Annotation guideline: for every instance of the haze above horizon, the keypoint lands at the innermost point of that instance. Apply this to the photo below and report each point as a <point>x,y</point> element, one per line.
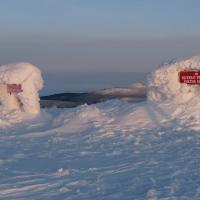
<point>98,36</point>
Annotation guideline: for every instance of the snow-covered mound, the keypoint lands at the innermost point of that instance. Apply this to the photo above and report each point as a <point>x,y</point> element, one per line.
<point>30,79</point>
<point>163,84</point>
<point>172,99</point>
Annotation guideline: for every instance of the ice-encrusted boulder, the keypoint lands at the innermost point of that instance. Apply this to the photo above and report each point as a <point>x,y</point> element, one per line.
<point>163,83</point>
<point>30,79</point>
<point>171,100</point>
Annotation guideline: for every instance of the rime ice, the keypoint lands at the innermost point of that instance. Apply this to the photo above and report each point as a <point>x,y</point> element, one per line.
<point>174,100</point>
<point>163,83</point>
<point>29,76</point>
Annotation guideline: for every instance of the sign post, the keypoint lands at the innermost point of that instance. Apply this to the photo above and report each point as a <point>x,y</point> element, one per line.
<point>189,77</point>
<point>14,88</point>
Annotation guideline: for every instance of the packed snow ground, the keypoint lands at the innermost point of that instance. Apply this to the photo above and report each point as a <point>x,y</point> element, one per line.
<point>103,151</point>
<point>113,150</point>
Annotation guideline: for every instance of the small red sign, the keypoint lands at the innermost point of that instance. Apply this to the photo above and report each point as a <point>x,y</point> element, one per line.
<point>189,77</point>
<point>14,88</point>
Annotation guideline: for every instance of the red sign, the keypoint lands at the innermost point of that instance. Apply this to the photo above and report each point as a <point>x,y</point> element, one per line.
<point>189,77</point>
<point>14,88</point>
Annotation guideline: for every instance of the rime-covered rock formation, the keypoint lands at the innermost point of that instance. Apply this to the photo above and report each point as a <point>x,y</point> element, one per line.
<point>30,79</point>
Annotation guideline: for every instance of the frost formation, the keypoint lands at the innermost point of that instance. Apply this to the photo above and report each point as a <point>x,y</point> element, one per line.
<point>30,78</point>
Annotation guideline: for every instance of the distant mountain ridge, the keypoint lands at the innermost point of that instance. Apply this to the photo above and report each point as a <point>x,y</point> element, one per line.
<point>134,93</point>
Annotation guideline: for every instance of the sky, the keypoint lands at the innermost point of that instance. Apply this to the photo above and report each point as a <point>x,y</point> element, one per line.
<point>63,36</point>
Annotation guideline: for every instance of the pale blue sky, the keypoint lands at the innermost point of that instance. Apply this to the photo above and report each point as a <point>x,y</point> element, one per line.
<point>98,35</point>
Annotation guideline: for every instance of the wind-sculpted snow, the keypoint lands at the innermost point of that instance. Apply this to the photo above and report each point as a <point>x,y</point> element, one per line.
<point>112,150</point>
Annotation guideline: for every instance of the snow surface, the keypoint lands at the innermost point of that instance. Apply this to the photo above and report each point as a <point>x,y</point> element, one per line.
<point>112,150</point>
<point>103,151</point>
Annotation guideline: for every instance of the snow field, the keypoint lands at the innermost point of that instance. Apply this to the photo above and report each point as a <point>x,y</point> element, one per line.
<point>112,150</point>
<point>90,152</point>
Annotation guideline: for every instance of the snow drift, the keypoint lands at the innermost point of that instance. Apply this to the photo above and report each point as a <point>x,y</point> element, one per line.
<point>29,77</point>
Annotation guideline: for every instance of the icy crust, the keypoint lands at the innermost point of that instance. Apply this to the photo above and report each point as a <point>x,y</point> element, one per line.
<point>163,83</point>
